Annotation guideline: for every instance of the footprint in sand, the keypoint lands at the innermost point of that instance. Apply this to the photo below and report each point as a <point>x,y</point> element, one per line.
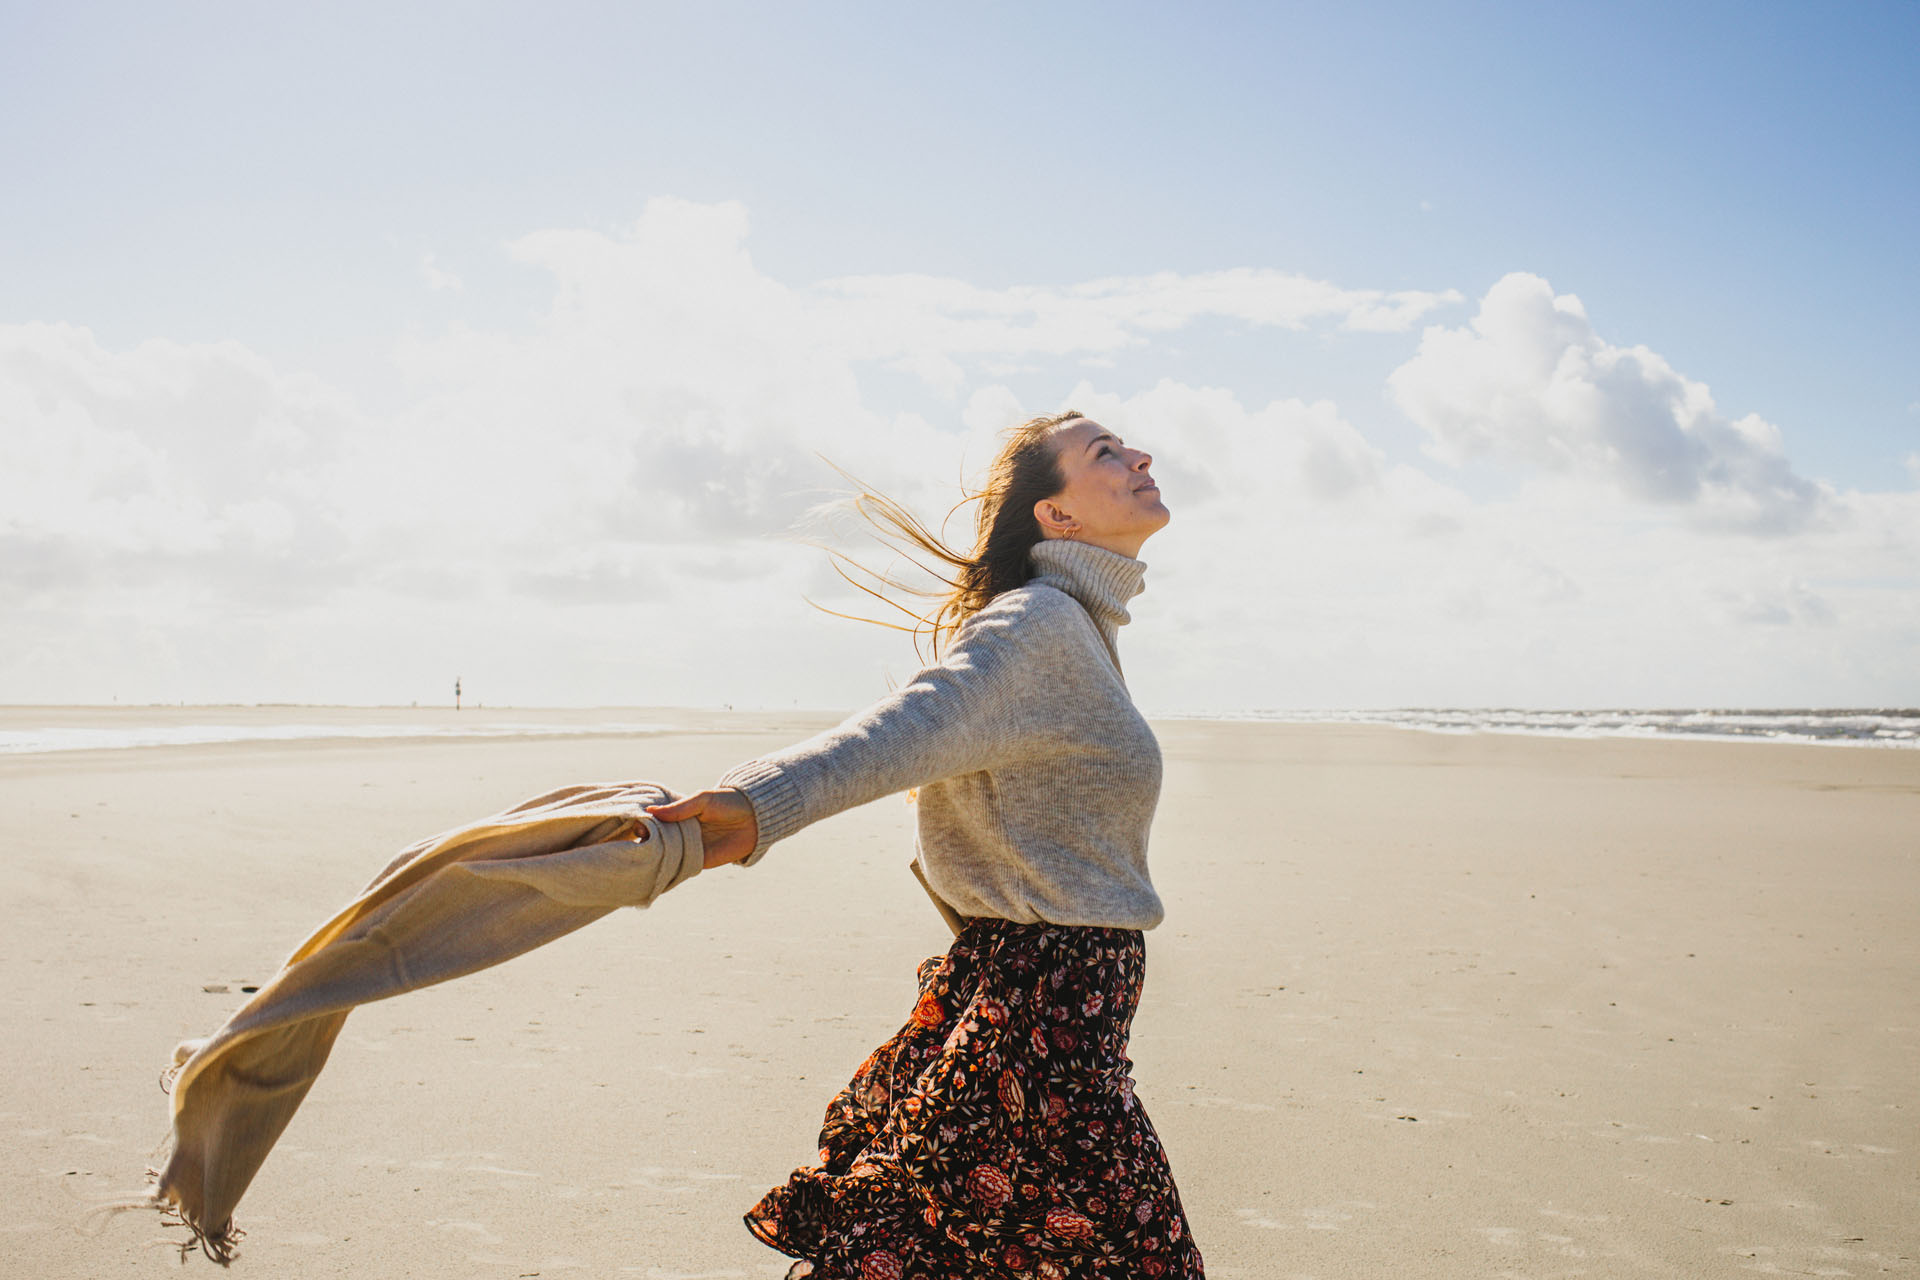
<point>1569,1216</point>
<point>500,1172</point>
<point>1317,1218</point>
<point>1216,1102</point>
<point>546,1266</point>
<point>675,1181</point>
<point>1563,1245</point>
<point>1329,1217</point>
<point>691,1073</point>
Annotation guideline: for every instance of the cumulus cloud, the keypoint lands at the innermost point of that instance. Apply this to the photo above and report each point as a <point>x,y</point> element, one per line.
<point>168,458</point>
<point>692,392</point>
<point>589,506</point>
<point>1529,379</point>
<point>671,393</point>
<point>906,318</point>
<point>1393,585</point>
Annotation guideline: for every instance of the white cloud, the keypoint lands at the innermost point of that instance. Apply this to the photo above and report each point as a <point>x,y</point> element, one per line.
<point>1529,379</point>
<point>162,460</point>
<point>1781,604</point>
<point>588,507</point>
<point>437,277</point>
<point>1396,587</point>
<point>901,317</point>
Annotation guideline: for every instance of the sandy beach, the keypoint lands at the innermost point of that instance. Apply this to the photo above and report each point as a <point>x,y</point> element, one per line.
<point>1423,1005</point>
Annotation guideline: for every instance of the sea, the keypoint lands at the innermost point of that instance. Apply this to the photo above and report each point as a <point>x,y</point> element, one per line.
<point>30,739</point>
<point>1830,726</point>
<point>126,728</point>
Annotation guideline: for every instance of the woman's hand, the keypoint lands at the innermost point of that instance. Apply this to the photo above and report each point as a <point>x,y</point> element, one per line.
<point>728,828</point>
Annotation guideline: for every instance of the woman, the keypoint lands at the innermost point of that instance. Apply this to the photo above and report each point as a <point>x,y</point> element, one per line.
<point>997,1133</point>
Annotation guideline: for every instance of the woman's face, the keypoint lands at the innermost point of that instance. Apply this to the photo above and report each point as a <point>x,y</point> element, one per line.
<point>1109,498</point>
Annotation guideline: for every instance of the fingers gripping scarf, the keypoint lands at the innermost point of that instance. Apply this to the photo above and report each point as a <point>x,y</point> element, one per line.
<point>447,906</point>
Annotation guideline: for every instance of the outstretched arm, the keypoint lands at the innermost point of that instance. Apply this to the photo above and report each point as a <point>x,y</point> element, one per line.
<point>977,705</point>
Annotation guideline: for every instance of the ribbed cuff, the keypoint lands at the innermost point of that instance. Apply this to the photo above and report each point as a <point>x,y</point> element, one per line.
<point>775,800</point>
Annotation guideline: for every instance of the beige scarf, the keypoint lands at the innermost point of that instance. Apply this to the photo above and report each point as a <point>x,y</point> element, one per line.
<point>445,907</point>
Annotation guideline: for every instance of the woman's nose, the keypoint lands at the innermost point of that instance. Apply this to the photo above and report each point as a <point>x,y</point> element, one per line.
<point>1142,459</point>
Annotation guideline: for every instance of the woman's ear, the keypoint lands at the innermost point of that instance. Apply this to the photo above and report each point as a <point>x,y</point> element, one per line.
<point>1053,520</point>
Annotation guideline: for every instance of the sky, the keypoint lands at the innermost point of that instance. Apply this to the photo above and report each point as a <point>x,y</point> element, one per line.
<point>1490,354</point>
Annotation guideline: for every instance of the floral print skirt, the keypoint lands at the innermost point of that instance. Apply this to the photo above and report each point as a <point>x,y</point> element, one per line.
<point>996,1134</point>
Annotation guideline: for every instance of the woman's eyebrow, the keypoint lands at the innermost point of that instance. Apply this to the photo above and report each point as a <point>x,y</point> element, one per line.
<point>1105,435</point>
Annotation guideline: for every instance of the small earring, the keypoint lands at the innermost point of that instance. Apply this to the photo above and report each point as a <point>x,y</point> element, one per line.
<point>1073,531</point>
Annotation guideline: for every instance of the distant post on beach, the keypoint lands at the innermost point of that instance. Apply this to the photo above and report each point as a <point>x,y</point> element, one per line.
<point>456,693</point>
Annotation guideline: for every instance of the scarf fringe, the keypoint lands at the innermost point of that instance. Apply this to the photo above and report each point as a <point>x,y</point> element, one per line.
<point>218,1246</point>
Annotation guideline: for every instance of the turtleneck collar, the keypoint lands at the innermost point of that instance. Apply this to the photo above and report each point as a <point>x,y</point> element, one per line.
<point>1101,580</point>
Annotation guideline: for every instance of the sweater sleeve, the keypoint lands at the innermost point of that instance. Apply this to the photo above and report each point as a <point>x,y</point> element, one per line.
<point>954,717</point>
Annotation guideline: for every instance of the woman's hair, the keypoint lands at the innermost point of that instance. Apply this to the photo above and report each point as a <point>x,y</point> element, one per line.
<point>1026,469</point>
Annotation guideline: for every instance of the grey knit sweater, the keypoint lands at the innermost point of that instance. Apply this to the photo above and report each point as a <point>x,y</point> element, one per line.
<point>1037,776</point>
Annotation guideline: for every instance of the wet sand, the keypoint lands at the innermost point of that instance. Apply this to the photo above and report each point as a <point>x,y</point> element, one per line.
<point>1441,1006</point>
